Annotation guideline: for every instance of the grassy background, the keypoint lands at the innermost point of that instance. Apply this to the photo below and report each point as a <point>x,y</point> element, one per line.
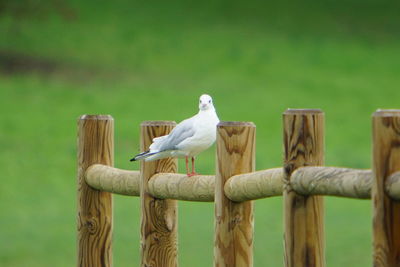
<point>150,61</point>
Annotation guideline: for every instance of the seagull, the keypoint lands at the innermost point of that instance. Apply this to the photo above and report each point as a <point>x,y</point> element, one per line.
<point>189,138</point>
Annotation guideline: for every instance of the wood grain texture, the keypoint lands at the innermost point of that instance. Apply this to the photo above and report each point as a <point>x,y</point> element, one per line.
<point>233,243</point>
<point>181,187</point>
<point>95,145</point>
<point>332,181</point>
<point>327,181</point>
<point>113,180</point>
<point>393,186</point>
<point>386,212</point>
<point>158,216</point>
<point>254,185</point>
<point>303,215</point>
<point>161,185</point>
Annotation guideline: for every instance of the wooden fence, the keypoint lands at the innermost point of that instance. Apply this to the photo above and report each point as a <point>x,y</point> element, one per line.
<point>302,181</point>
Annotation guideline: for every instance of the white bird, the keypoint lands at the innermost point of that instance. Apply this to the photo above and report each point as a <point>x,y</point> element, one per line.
<point>189,138</point>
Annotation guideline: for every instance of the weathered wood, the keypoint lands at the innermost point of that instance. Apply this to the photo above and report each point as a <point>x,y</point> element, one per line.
<point>95,145</point>
<point>158,216</point>
<point>386,161</point>
<point>161,185</point>
<point>303,215</point>
<point>393,186</point>
<point>181,187</point>
<point>328,181</point>
<point>332,181</point>
<point>254,185</point>
<point>113,180</point>
<point>233,221</point>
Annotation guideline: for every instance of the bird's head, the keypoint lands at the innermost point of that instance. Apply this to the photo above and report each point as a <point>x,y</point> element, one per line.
<point>205,102</point>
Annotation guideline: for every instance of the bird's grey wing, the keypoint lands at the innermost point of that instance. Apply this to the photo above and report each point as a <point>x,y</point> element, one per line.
<point>181,132</point>
<point>157,141</point>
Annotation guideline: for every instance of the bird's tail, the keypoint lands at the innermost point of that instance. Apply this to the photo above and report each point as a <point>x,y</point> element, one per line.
<point>143,155</point>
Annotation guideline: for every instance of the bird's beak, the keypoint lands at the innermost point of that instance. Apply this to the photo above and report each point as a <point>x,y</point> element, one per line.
<point>203,105</point>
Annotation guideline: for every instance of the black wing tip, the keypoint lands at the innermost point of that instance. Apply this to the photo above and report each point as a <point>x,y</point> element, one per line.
<point>140,154</point>
<point>146,154</point>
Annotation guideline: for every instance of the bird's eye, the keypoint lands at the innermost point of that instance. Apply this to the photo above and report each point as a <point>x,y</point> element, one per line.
<point>200,101</point>
<point>209,101</point>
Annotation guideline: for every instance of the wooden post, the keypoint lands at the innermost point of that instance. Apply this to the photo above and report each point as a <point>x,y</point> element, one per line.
<point>95,145</point>
<point>158,216</point>
<point>233,244</point>
<point>386,161</point>
<point>303,215</point>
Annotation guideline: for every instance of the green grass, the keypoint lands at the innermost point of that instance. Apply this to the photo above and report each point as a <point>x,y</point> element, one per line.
<point>140,61</point>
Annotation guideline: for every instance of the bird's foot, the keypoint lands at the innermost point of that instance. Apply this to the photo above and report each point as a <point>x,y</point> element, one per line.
<point>192,174</point>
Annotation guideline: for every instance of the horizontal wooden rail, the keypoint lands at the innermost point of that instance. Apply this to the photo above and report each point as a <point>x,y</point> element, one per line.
<point>113,180</point>
<point>179,186</point>
<point>329,181</point>
<point>254,185</point>
<point>393,185</point>
<point>161,185</point>
<point>332,181</point>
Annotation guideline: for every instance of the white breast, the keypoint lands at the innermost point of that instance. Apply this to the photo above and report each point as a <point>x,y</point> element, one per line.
<point>205,135</point>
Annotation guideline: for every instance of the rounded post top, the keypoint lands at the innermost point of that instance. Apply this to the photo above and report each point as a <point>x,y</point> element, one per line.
<point>158,123</point>
<point>95,117</point>
<point>386,113</point>
<point>236,123</point>
<point>293,111</point>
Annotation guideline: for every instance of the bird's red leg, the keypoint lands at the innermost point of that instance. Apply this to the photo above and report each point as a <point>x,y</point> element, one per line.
<point>193,169</point>
<point>187,166</point>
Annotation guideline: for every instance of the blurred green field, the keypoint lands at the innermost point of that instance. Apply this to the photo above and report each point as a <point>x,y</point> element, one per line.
<point>151,61</point>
